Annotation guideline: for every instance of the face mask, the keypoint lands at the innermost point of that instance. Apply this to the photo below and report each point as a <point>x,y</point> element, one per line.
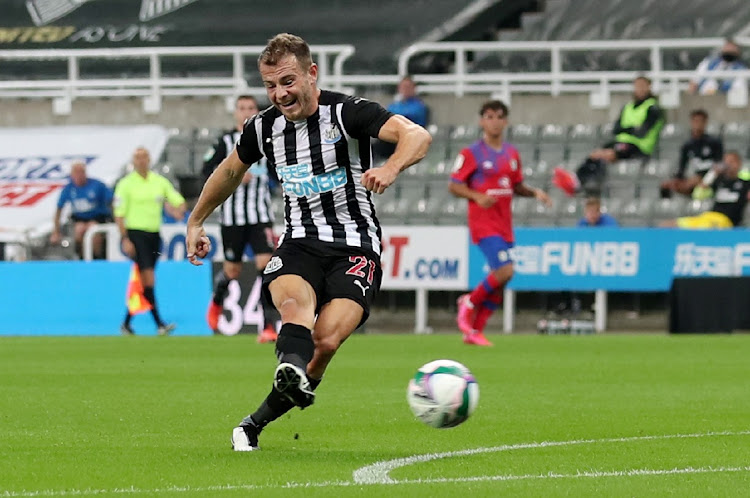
<point>729,56</point>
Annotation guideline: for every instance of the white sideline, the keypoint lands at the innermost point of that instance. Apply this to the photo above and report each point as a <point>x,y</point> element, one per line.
<point>377,473</point>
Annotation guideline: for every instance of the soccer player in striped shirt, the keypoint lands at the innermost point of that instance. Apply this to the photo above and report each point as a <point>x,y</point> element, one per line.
<point>327,263</point>
<point>246,219</point>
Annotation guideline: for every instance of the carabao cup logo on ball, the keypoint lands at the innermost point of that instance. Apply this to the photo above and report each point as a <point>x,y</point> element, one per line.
<point>443,394</point>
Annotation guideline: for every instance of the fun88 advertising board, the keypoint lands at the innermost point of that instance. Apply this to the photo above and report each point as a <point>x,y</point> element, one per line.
<point>619,259</point>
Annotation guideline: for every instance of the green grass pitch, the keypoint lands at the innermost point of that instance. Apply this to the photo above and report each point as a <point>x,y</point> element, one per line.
<point>153,416</point>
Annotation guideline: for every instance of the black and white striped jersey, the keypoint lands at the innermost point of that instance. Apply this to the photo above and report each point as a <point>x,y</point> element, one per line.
<point>250,204</point>
<point>319,162</point>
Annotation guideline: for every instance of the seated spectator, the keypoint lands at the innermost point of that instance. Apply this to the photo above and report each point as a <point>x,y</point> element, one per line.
<point>569,303</point>
<point>697,156</point>
<point>90,202</point>
<point>408,104</point>
<point>636,135</point>
<point>593,216</point>
<point>731,194</point>
<point>728,59</point>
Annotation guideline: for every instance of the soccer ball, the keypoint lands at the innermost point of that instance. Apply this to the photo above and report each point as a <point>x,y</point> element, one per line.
<point>443,393</point>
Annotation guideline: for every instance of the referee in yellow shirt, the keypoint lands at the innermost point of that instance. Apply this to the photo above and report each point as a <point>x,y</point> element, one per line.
<point>139,200</point>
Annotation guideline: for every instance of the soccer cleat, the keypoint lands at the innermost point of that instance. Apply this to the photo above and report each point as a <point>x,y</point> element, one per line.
<point>466,312</point>
<point>245,438</point>
<point>268,334</point>
<point>565,181</point>
<point>166,329</point>
<point>291,381</point>
<point>126,330</point>
<point>213,314</point>
<point>477,339</point>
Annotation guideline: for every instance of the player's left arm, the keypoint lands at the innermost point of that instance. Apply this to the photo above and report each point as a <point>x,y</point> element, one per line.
<point>412,142</point>
<point>363,118</point>
<point>520,188</point>
<point>525,191</point>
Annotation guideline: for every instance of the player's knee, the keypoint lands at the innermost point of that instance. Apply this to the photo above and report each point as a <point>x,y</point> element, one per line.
<point>293,309</point>
<point>327,346</point>
<point>504,274</point>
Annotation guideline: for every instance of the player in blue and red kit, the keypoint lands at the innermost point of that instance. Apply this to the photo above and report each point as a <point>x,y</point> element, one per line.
<point>488,174</point>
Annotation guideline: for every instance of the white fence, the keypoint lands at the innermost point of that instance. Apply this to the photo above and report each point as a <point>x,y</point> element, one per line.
<point>331,59</point>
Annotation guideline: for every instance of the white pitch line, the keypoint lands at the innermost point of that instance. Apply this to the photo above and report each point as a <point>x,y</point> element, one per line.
<point>377,473</point>
<point>443,480</point>
<point>591,473</point>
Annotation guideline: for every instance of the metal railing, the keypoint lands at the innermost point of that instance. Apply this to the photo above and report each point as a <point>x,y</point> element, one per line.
<point>556,81</point>
<point>331,58</point>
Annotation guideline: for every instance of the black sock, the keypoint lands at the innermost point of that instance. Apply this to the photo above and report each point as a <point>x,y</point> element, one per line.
<point>269,310</point>
<point>295,345</point>
<point>222,288</point>
<point>128,317</point>
<point>148,293</point>
<point>274,406</point>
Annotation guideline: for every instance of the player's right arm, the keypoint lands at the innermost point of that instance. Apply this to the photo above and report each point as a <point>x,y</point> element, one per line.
<point>219,186</point>
<point>464,167</point>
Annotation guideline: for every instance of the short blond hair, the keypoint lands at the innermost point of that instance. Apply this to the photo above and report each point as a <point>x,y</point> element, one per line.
<point>285,44</point>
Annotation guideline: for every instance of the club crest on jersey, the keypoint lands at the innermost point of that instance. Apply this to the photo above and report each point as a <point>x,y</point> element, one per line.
<point>513,165</point>
<point>487,165</point>
<point>332,134</point>
<point>273,265</point>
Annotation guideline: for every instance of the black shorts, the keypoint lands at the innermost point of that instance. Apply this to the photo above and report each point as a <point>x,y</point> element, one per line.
<point>625,150</point>
<point>147,248</point>
<point>235,238</point>
<point>333,271</point>
<point>102,218</point>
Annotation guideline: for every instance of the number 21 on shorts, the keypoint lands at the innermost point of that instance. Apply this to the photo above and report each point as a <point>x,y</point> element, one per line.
<point>359,264</point>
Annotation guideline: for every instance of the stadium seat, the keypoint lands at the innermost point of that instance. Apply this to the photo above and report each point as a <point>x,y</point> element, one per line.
<point>582,139</point>
<point>452,212</point>
<point>649,188</point>
<point>568,212</point>
<point>736,137</point>
<point>438,188</point>
<point>540,215</point>
<point>521,207</point>
<point>393,211</point>
<point>667,209</point>
<point>461,137</point>
<point>624,170</point>
<point>695,207</point>
<point>423,212</point>
<point>621,189</point>
<point>552,143</point>
<point>658,169</point>
<point>634,213</point>
<point>537,174</point>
